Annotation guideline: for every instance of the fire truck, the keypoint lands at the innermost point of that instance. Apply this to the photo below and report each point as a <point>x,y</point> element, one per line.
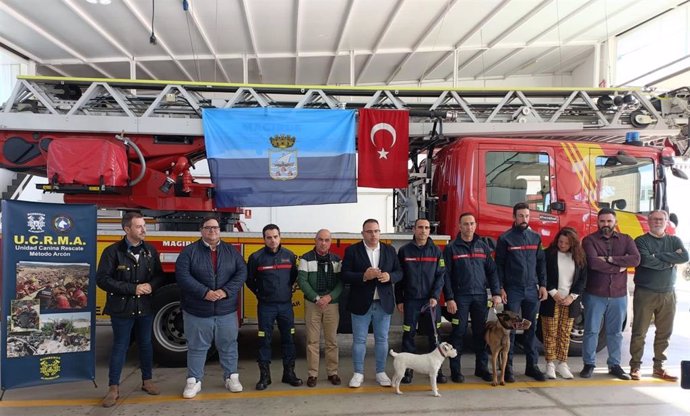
<point>566,152</point>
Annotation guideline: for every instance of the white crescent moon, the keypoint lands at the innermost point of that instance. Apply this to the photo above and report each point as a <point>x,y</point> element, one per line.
<point>382,126</point>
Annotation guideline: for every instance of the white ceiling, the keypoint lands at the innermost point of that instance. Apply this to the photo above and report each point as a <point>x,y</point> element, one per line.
<point>369,42</point>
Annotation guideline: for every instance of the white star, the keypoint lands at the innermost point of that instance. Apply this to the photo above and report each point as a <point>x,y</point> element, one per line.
<point>383,154</point>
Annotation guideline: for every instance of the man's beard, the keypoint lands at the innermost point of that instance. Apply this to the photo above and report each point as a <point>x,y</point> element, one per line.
<point>606,230</point>
<point>523,225</point>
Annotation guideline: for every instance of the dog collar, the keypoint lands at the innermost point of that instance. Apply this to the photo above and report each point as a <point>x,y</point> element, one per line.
<point>441,351</point>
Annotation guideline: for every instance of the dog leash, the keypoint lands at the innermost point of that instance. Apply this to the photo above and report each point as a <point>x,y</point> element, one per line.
<point>432,313</point>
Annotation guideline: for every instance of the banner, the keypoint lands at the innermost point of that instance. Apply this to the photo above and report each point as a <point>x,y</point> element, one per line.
<point>48,293</point>
<point>266,157</point>
<point>383,145</point>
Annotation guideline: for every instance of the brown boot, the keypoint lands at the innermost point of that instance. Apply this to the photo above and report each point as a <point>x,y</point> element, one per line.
<point>111,398</point>
<point>150,388</point>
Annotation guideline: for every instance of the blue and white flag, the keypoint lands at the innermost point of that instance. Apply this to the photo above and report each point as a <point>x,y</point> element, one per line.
<point>267,157</point>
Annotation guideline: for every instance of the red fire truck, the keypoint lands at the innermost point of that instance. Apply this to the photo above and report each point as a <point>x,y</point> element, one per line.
<point>562,151</point>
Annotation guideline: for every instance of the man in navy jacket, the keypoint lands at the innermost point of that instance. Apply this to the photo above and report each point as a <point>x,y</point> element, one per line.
<point>470,271</point>
<point>272,273</point>
<point>423,270</point>
<point>370,268</point>
<point>522,272</point>
<point>210,273</point>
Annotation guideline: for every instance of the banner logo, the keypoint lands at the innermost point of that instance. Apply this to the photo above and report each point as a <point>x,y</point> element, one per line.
<point>62,223</point>
<point>36,221</point>
<point>50,368</point>
<point>282,162</point>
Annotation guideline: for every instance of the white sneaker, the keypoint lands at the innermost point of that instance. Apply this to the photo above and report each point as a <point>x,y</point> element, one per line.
<point>383,380</point>
<point>564,370</point>
<point>550,370</point>
<point>192,388</point>
<point>233,384</point>
<point>356,380</point>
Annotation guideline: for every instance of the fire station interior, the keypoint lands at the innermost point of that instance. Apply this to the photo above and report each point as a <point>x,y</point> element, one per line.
<point>567,105</point>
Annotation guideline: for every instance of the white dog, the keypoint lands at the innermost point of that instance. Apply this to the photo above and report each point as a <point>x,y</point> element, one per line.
<point>425,364</point>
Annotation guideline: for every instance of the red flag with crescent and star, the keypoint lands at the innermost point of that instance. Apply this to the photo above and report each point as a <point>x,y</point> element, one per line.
<point>382,147</point>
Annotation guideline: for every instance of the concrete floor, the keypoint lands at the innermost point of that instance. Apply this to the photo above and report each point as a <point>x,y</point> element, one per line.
<point>601,395</point>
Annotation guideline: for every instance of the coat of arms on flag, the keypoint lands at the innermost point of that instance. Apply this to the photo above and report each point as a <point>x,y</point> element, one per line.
<point>282,161</point>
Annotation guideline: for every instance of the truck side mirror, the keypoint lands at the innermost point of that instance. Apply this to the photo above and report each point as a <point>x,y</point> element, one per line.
<point>679,173</point>
<point>557,206</point>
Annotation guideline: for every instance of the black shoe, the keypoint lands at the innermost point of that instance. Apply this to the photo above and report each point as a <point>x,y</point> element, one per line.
<point>535,373</point>
<point>484,374</point>
<point>509,377</point>
<point>407,378</point>
<point>616,370</point>
<point>289,376</point>
<point>264,376</point>
<point>457,377</point>
<point>587,371</point>
<point>441,378</point>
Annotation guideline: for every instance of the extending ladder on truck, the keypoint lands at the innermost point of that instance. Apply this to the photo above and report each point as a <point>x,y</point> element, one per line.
<point>437,115</point>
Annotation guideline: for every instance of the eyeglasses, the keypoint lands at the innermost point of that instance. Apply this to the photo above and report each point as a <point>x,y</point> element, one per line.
<point>211,228</point>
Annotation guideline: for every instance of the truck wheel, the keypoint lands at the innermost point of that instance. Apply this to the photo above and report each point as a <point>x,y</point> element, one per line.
<point>169,343</point>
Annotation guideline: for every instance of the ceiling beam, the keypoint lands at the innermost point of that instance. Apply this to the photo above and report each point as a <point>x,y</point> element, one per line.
<point>379,39</point>
<point>478,27</point>
<point>526,17</point>
<point>249,27</point>
<point>107,36</point>
<point>302,54</point>
<point>161,42</point>
<point>206,39</point>
<point>433,25</point>
<point>51,38</point>
<point>341,33</point>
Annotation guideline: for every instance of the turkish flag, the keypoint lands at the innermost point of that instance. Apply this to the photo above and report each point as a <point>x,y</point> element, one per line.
<point>382,145</point>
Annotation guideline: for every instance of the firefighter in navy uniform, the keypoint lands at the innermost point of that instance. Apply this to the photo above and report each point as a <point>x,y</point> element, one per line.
<point>521,266</point>
<point>422,282</point>
<point>470,271</point>
<point>272,272</point>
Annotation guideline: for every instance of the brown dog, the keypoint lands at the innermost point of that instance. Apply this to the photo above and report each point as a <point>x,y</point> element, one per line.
<point>497,336</point>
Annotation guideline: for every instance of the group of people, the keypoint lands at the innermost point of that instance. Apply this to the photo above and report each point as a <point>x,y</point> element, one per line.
<point>555,283</point>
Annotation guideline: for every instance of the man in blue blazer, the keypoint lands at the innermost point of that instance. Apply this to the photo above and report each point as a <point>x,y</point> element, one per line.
<point>370,268</point>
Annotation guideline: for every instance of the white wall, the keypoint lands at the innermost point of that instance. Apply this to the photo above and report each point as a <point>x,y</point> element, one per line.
<point>11,66</point>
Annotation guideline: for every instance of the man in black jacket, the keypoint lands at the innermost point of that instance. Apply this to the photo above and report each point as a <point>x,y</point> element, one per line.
<point>423,270</point>
<point>470,271</point>
<point>129,271</point>
<point>522,272</point>
<point>272,274</point>
<point>210,273</point>
<point>370,268</point>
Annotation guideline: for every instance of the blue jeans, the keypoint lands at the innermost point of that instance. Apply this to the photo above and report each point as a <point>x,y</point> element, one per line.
<point>474,306</point>
<point>200,332</point>
<point>122,330</point>
<point>360,329</point>
<point>411,313</point>
<point>612,311</point>
<point>284,315</point>
<point>525,302</point>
